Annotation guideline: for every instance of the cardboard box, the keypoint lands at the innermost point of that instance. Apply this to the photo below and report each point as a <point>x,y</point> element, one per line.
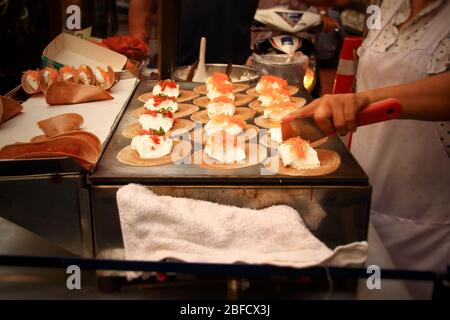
<point>67,49</point>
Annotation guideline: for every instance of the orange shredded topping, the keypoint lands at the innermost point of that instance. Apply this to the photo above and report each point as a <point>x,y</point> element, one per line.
<point>273,79</point>
<point>221,82</point>
<point>298,145</point>
<point>230,119</point>
<point>224,87</point>
<point>32,73</point>
<point>275,93</point>
<point>283,106</point>
<point>68,69</point>
<point>219,76</point>
<point>54,75</point>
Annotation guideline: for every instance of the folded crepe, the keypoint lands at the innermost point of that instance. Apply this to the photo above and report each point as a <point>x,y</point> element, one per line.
<point>9,108</point>
<point>61,124</point>
<point>62,139</point>
<point>68,145</point>
<point>63,92</point>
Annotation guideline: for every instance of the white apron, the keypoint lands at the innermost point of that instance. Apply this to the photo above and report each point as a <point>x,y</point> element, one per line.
<point>407,164</point>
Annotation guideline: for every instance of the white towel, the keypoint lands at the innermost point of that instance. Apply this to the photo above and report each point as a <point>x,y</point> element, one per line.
<point>161,227</point>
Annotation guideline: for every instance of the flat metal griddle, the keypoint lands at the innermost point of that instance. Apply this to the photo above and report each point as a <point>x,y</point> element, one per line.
<point>110,171</point>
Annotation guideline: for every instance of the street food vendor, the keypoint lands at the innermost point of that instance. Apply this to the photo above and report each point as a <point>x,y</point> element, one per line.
<point>225,24</point>
<point>407,160</point>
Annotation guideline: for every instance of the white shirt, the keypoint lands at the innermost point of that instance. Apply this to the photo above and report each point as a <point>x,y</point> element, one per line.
<point>394,40</point>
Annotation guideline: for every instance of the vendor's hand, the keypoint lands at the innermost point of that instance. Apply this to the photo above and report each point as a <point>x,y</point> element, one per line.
<point>329,24</point>
<point>334,113</point>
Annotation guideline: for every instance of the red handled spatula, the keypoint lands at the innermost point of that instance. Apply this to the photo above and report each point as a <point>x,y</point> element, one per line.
<point>307,128</point>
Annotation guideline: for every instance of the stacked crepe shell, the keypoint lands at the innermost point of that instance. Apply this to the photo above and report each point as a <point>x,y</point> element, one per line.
<point>61,137</point>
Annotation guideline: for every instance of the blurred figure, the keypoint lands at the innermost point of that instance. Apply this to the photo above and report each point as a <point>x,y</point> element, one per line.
<point>225,24</point>
<point>326,41</point>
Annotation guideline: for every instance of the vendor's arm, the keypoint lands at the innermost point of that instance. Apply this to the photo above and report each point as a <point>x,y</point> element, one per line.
<point>139,15</point>
<point>427,99</point>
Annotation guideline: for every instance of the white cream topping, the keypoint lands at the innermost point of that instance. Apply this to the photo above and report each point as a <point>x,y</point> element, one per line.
<point>210,84</point>
<point>218,108</point>
<point>46,76</point>
<point>170,92</point>
<point>166,104</point>
<point>290,158</point>
<point>148,149</point>
<point>267,100</point>
<point>213,94</point>
<point>261,86</point>
<point>213,127</point>
<point>149,122</point>
<point>33,82</point>
<point>275,135</point>
<point>276,114</point>
<point>99,76</point>
<point>84,78</point>
<point>227,153</point>
<point>67,76</point>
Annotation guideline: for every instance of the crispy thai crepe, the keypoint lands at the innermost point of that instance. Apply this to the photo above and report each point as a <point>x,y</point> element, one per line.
<point>225,148</point>
<point>62,139</point>
<point>270,96</point>
<point>297,157</point>
<point>167,87</point>
<point>31,80</point>
<point>221,105</point>
<point>8,109</point>
<point>219,85</point>
<point>105,78</point>
<point>298,153</point>
<point>85,75</point>
<point>68,73</point>
<point>63,92</point>
<point>64,144</point>
<point>270,82</point>
<point>230,124</point>
<point>61,124</point>
<point>155,120</point>
<point>48,76</point>
<point>278,110</point>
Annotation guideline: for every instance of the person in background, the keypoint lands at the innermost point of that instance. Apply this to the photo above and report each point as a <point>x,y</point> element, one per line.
<point>225,24</point>
<point>326,40</point>
<point>407,160</point>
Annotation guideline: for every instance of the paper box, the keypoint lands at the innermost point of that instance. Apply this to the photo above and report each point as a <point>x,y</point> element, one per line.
<point>67,49</point>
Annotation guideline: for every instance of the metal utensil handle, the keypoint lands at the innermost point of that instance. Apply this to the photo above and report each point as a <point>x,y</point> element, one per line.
<point>380,111</point>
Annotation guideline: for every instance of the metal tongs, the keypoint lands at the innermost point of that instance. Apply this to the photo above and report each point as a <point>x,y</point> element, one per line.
<point>307,129</point>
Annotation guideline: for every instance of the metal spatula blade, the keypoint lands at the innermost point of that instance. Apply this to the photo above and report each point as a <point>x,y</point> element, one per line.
<point>307,128</point>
